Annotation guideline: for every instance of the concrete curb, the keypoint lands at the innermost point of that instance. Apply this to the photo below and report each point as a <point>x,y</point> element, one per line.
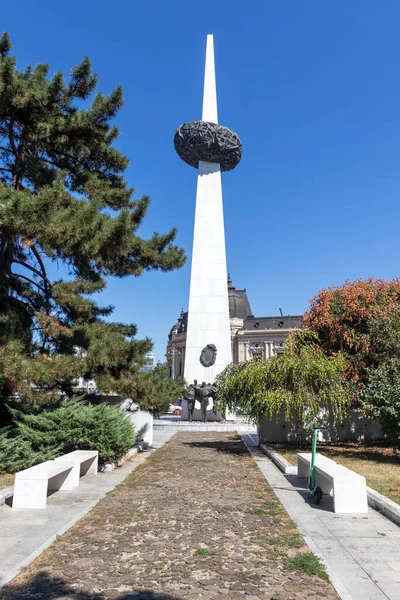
<point>279,461</point>
<point>378,501</point>
<point>384,505</point>
<point>334,579</point>
<point>107,467</point>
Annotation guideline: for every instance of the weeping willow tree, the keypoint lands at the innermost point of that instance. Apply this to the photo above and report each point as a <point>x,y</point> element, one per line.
<point>302,382</point>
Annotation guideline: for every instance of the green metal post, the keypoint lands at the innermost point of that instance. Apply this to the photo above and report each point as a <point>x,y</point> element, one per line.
<point>314,451</point>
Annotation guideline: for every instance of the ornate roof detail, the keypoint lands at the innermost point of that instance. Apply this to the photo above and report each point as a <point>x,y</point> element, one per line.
<point>180,326</point>
<point>239,305</point>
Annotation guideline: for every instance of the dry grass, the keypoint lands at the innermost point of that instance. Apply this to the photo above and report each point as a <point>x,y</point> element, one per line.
<point>379,464</point>
<point>6,480</point>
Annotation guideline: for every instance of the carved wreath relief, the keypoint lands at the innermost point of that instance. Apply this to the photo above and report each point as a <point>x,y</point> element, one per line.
<point>208,355</point>
<point>209,142</point>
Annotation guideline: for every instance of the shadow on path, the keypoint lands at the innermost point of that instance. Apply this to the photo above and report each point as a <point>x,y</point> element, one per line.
<point>233,446</point>
<point>46,587</point>
<point>347,450</point>
<point>299,485</point>
<point>364,454</point>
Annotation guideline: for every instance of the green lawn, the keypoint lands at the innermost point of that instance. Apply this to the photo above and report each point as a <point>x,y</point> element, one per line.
<point>380,465</point>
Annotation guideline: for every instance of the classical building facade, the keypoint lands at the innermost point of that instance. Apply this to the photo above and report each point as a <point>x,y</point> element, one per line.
<point>150,362</point>
<point>250,336</point>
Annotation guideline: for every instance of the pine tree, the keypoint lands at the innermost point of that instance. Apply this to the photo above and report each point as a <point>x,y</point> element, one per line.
<point>64,198</point>
<point>155,391</point>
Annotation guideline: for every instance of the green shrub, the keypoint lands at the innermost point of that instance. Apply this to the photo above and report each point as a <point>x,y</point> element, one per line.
<point>17,454</point>
<point>73,426</point>
<point>381,398</point>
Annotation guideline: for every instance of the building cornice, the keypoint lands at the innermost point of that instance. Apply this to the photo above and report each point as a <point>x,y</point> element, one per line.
<point>263,332</point>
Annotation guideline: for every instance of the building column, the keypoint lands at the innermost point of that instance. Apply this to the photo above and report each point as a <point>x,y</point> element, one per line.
<point>180,360</point>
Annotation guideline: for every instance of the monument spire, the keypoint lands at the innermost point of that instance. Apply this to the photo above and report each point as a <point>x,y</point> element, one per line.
<point>210,110</point>
<point>210,148</point>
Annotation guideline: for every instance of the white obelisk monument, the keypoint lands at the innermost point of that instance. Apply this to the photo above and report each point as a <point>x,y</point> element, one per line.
<point>210,148</point>
<point>208,319</point>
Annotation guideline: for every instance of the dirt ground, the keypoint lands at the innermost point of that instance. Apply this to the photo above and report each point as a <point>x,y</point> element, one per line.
<point>6,480</point>
<point>196,521</point>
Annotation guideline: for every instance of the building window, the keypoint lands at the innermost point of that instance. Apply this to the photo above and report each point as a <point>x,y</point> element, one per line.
<point>256,349</point>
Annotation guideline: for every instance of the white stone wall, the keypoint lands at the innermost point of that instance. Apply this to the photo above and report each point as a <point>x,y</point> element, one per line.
<point>143,423</point>
<point>141,419</point>
<point>354,427</point>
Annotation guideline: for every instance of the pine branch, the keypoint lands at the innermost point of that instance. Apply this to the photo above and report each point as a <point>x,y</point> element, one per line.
<point>30,281</point>
<point>28,266</point>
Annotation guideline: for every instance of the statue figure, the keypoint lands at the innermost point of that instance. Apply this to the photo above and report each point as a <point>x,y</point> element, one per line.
<point>202,393</point>
<point>190,398</point>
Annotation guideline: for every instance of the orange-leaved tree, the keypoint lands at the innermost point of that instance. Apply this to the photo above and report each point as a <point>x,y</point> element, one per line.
<point>360,319</point>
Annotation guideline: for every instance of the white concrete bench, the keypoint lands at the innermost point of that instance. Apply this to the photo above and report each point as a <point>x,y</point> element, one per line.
<point>31,485</point>
<point>85,462</point>
<point>304,462</point>
<point>349,489</point>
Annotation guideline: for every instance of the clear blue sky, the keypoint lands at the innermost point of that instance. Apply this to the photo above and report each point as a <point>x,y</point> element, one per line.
<point>313,90</point>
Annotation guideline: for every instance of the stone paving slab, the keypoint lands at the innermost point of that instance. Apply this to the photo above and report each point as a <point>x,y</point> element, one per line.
<point>196,521</point>
<point>361,552</point>
<point>25,533</point>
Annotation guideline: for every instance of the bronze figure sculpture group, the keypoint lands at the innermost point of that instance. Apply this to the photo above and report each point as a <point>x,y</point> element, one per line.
<point>202,393</point>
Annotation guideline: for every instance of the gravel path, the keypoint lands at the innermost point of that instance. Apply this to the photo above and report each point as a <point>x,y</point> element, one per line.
<point>196,521</point>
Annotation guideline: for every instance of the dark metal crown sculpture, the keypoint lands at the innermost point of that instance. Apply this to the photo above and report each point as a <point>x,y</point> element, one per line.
<point>208,142</point>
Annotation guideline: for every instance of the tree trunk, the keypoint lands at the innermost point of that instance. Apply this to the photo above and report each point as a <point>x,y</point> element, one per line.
<point>300,440</point>
<point>6,256</point>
